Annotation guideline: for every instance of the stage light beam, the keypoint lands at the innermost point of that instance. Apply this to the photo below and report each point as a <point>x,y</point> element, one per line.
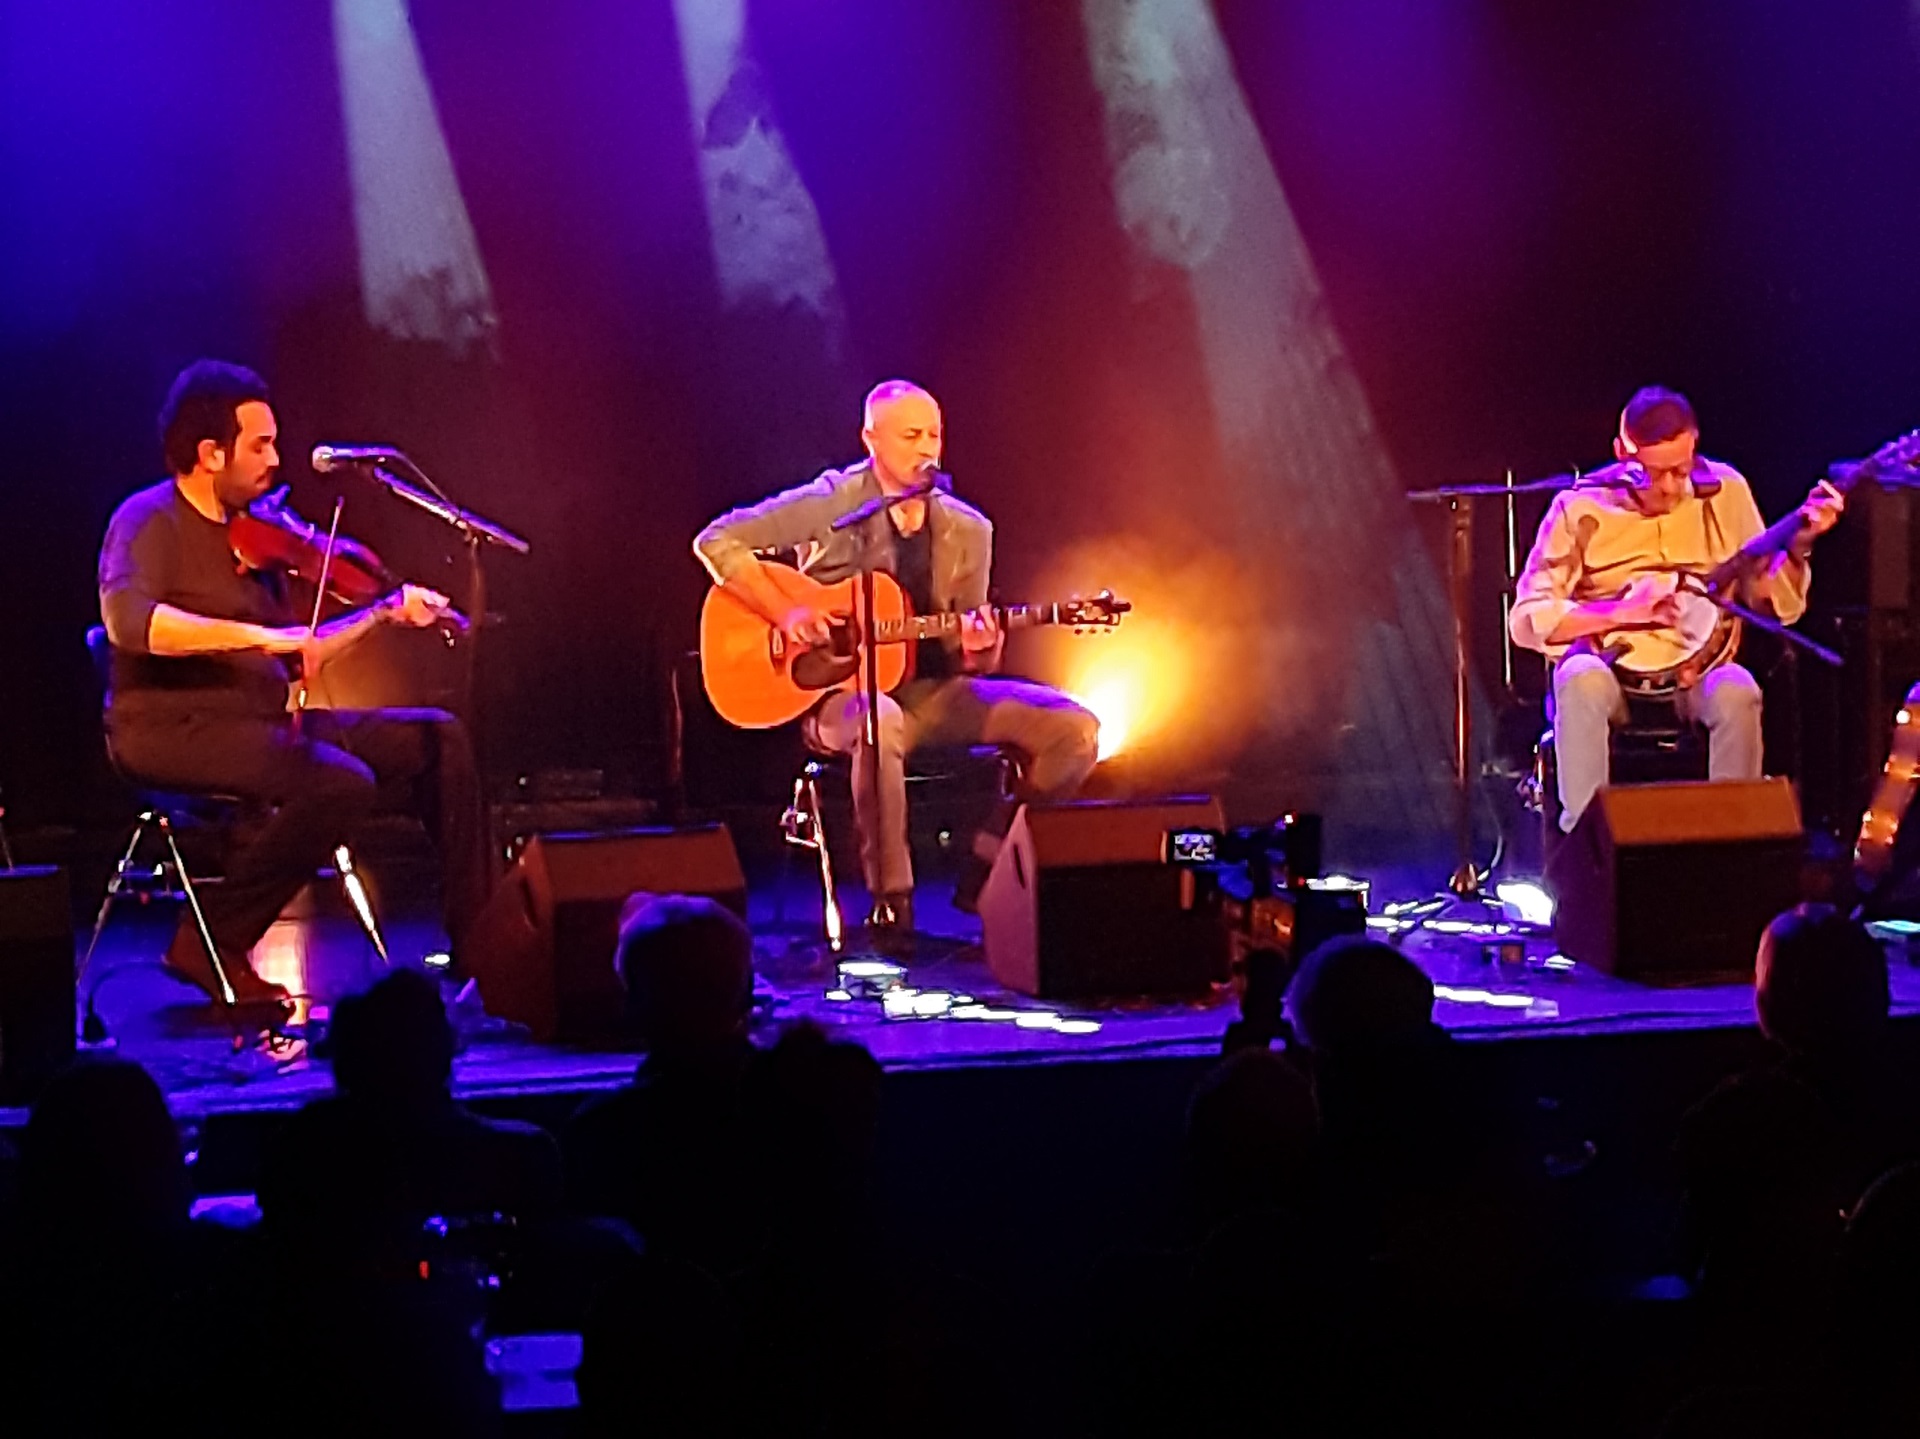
<point>769,249</point>
<point>1318,510</point>
<point>421,276</point>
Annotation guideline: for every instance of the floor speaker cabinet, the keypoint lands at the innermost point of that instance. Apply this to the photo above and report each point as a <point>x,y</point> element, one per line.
<point>1673,883</point>
<point>1081,904</point>
<point>36,979</point>
<point>542,948</point>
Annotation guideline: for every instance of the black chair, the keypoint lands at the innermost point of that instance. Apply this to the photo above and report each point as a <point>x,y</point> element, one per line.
<point>167,814</point>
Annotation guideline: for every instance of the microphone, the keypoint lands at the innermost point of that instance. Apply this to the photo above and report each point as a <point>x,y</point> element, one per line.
<point>340,457</point>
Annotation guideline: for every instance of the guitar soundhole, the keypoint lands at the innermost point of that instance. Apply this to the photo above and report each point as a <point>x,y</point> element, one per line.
<point>830,665</point>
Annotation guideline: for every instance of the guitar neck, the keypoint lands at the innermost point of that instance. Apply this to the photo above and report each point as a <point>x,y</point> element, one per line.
<point>1780,535</point>
<point>937,626</point>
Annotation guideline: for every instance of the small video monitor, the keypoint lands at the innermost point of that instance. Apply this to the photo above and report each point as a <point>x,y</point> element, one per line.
<point>1192,846</point>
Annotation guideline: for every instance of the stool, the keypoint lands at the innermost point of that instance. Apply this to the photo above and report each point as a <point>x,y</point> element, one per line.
<point>803,824</point>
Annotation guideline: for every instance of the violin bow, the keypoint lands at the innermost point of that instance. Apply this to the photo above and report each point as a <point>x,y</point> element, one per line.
<point>319,598</point>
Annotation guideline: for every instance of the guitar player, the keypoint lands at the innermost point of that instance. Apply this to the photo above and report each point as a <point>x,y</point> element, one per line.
<point>1604,565</point>
<point>940,549</point>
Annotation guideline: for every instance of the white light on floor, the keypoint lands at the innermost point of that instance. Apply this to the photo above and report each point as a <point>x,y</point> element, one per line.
<point>1530,903</point>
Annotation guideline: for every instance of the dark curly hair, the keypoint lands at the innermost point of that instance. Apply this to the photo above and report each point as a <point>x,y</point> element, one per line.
<point>204,404</point>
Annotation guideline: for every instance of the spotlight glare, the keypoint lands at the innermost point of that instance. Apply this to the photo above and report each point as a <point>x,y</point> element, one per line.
<point>1526,901</point>
<point>1112,704</point>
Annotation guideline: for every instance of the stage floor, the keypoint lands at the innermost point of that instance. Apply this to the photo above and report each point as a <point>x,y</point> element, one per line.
<point>964,1019</point>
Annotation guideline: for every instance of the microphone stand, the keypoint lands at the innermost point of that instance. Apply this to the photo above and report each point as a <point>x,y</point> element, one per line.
<point>864,629</point>
<point>475,533</point>
<point>1464,898</point>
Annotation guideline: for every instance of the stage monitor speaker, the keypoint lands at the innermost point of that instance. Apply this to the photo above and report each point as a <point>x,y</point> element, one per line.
<point>1081,903</point>
<point>36,979</point>
<point>1673,883</point>
<point>542,948</point>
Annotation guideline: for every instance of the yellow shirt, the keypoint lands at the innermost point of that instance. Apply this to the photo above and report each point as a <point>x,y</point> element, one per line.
<point>1594,541</point>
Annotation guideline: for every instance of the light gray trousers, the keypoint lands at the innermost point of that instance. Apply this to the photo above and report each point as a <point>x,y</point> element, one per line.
<point>1588,702</point>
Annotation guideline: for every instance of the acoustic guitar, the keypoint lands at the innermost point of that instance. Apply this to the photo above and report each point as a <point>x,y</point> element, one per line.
<point>756,680</point>
<point>1653,663</point>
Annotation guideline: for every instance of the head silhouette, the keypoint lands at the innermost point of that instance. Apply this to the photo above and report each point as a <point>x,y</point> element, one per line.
<point>1820,983</point>
<point>392,1043</point>
<point>101,1150</point>
<point>1356,996</point>
<point>687,964</point>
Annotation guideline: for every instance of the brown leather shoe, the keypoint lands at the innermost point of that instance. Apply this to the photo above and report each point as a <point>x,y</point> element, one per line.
<point>187,957</point>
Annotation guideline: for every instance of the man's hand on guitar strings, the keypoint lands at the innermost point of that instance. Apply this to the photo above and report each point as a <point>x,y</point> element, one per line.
<point>807,626</point>
<point>979,630</point>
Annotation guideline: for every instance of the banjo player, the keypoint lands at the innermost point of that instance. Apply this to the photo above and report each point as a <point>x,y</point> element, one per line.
<point>1610,594</point>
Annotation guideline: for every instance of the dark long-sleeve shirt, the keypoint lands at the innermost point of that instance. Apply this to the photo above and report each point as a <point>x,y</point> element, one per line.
<point>160,550</point>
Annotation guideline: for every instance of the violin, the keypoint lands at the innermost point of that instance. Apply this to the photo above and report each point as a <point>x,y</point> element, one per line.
<point>272,536</point>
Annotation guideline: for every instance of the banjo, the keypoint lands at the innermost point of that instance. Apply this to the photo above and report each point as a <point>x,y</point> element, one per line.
<point>1655,662</point>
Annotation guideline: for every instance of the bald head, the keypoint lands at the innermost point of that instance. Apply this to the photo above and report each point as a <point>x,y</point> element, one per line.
<point>902,432</point>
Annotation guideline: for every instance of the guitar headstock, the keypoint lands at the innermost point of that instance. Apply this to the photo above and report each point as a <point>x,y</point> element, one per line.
<point>1101,611</point>
<point>1893,464</point>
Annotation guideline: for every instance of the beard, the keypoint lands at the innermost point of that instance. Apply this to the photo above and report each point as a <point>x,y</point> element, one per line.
<point>237,494</point>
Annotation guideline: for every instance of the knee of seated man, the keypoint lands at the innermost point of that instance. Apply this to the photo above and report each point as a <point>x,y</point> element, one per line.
<point>348,789</point>
<point>1730,692</point>
<point>1585,684</point>
<point>1081,727</point>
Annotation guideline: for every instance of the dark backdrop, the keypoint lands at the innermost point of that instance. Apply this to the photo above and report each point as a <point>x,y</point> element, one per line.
<point>1518,213</point>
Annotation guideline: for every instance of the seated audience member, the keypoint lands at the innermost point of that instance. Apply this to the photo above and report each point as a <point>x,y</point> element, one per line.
<point>813,1110</point>
<point>391,1146</point>
<point>666,1153</point>
<point>102,1272</point>
<point>1428,1202</point>
<point>1876,1337</point>
<point>1773,1158</point>
<point>1250,1137</point>
<point>1241,1290</point>
<point>1383,1072</point>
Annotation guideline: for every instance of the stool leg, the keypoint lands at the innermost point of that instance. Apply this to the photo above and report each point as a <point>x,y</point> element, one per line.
<point>802,825</point>
<point>357,897</point>
<point>792,822</point>
<point>199,915</point>
<point>114,884</point>
<point>836,930</point>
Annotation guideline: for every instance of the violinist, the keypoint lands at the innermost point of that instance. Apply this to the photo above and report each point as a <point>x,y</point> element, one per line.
<point>204,650</point>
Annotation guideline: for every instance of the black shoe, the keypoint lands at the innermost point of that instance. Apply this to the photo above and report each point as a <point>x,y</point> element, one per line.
<point>890,923</point>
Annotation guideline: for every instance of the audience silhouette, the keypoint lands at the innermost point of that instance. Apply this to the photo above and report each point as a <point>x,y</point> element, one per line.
<point>668,1153</point>
<point>1359,1233</point>
<point>1773,1158</point>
